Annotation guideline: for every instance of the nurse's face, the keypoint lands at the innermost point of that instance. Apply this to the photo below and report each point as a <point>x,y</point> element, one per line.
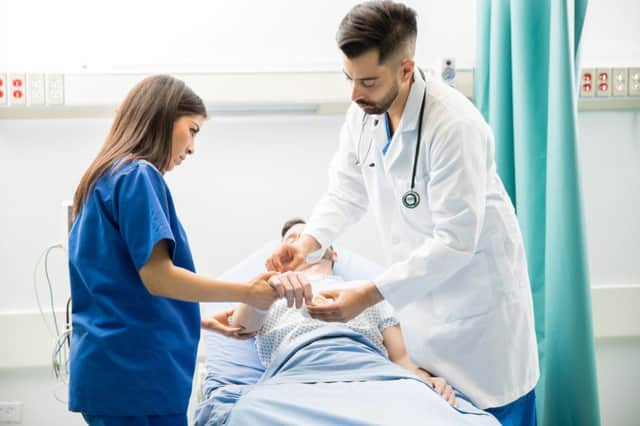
<point>374,87</point>
<point>185,130</point>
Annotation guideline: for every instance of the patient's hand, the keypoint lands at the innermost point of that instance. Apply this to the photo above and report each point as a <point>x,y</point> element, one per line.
<point>220,324</point>
<point>440,385</point>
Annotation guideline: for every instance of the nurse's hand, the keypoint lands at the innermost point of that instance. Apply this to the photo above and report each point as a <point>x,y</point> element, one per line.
<point>346,304</point>
<point>286,257</point>
<point>294,286</point>
<point>261,294</point>
<point>220,324</point>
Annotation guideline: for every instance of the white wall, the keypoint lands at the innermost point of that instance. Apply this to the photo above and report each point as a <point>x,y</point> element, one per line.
<point>212,35</point>
<point>609,157</point>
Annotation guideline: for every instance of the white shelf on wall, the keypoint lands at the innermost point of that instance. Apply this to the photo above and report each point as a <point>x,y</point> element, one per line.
<point>226,93</point>
<point>325,92</point>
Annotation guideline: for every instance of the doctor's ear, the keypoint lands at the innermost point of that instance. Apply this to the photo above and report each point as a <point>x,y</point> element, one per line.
<point>406,68</point>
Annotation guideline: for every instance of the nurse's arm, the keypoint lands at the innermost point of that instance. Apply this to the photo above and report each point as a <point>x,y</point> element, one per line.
<point>162,278</point>
<point>393,341</point>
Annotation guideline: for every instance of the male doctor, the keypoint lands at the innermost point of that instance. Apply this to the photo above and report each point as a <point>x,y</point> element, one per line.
<point>422,156</point>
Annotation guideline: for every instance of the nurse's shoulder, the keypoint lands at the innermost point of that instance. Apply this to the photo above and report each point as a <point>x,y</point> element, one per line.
<point>131,172</point>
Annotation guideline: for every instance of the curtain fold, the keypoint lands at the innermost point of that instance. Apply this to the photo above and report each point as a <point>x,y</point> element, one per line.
<point>526,87</point>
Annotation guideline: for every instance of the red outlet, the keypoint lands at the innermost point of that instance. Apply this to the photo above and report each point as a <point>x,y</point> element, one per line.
<point>3,96</point>
<point>17,89</point>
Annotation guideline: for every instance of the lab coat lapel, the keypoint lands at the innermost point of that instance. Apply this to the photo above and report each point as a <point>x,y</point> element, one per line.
<point>402,146</point>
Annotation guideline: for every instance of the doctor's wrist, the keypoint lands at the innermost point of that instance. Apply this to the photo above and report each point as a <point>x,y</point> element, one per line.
<point>372,295</point>
<point>308,244</point>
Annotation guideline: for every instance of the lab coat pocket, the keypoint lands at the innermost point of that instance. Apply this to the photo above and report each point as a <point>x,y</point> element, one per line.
<point>468,293</point>
<point>509,258</point>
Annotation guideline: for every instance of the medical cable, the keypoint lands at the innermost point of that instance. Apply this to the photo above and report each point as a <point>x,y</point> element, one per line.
<point>415,159</point>
<point>45,255</point>
<point>365,118</point>
<point>62,342</point>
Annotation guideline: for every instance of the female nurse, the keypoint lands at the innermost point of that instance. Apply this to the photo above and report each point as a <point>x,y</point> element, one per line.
<point>136,323</point>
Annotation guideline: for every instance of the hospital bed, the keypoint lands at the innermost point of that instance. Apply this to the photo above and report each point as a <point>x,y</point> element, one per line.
<point>328,378</point>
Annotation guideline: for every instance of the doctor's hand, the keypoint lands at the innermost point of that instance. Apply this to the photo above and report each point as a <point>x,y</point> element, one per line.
<point>286,257</point>
<point>220,324</point>
<point>261,294</point>
<point>346,304</point>
<point>294,286</point>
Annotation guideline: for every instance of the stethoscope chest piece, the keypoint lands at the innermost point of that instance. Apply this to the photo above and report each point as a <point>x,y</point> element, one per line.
<point>411,199</point>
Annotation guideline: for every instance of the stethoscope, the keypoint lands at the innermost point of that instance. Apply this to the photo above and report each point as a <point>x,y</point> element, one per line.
<point>411,198</point>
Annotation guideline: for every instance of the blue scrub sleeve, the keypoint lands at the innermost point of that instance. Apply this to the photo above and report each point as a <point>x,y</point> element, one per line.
<point>143,212</point>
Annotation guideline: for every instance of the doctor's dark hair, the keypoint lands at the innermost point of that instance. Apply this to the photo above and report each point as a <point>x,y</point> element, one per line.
<point>384,25</point>
<point>142,129</point>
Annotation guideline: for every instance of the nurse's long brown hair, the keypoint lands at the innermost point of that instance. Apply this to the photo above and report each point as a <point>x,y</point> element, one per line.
<point>141,129</point>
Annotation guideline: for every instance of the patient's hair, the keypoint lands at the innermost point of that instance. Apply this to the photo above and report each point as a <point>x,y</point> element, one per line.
<point>290,223</point>
<point>384,25</point>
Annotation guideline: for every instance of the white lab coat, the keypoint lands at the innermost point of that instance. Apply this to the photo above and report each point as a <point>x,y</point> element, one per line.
<point>458,274</point>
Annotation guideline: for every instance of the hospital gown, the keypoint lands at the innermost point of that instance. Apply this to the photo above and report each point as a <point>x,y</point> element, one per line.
<point>282,324</point>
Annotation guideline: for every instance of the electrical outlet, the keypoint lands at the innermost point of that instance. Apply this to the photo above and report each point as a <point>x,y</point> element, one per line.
<point>17,89</point>
<point>634,81</point>
<point>3,89</point>
<point>35,89</point>
<point>55,89</point>
<point>586,82</point>
<point>603,82</point>
<point>619,82</point>
<point>10,412</point>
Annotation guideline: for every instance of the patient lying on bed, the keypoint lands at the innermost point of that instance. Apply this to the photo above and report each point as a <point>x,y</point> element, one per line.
<point>320,373</point>
<point>280,326</point>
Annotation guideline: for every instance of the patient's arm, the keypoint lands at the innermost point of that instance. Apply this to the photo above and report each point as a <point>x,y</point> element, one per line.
<point>248,317</point>
<point>292,285</point>
<point>394,343</point>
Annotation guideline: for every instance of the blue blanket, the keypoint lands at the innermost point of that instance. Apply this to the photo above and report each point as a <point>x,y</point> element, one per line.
<point>335,376</point>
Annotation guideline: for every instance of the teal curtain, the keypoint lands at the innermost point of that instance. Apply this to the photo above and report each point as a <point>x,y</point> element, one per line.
<point>526,88</point>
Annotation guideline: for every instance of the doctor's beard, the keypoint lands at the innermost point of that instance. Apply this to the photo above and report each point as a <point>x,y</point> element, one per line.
<point>381,107</point>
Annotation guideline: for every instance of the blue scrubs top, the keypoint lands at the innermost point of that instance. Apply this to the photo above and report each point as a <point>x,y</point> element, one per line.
<point>132,353</point>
